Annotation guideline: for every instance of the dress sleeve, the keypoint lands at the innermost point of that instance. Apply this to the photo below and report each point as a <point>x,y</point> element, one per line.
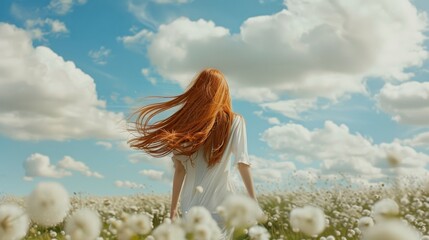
<point>239,143</point>
<point>180,158</point>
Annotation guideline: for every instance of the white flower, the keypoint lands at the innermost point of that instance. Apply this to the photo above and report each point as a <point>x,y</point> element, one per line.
<point>83,224</point>
<point>364,223</point>
<point>202,232</point>
<point>14,222</point>
<point>426,186</point>
<point>48,204</point>
<point>125,233</point>
<point>199,222</point>
<point>196,216</point>
<point>168,231</point>
<point>199,189</point>
<point>258,233</point>
<point>391,230</point>
<point>140,223</point>
<point>240,211</point>
<point>309,220</point>
<point>133,225</point>
<point>385,209</point>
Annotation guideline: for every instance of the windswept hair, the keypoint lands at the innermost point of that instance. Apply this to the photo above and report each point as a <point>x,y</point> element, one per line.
<point>204,119</point>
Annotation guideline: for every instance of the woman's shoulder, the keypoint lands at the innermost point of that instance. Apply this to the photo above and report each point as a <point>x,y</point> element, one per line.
<point>238,118</point>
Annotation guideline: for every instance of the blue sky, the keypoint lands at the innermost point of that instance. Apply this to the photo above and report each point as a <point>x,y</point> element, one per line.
<point>326,87</point>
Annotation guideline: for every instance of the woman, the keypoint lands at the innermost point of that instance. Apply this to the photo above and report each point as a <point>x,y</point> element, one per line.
<point>202,135</point>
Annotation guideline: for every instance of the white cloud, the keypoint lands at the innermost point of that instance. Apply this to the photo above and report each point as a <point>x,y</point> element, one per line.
<point>143,10</point>
<point>128,100</point>
<point>128,184</point>
<point>419,140</point>
<point>406,102</point>
<point>100,56</point>
<point>63,7</point>
<point>165,163</point>
<point>147,74</point>
<point>137,40</point>
<point>39,28</point>
<point>172,1</point>
<point>140,10</point>
<point>335,150</point>
<point>291,108</point>
<point>69,163</point>
<point>271,120</point>
<point>38,165</point>
<point>313,48</point>
<point>45,97</point>
<point>152,174</point>
<point>267,171</point>
<point>106,145</point>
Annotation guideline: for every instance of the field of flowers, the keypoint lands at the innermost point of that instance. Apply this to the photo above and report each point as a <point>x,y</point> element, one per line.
<point>370,213</point>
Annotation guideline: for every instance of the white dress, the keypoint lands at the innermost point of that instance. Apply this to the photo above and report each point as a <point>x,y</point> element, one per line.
<point>216,182</point>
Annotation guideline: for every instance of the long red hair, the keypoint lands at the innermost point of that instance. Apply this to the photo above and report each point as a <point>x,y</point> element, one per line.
<point>204,119</point>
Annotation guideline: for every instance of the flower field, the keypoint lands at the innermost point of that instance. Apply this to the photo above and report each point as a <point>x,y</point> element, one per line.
<point>370,213</point>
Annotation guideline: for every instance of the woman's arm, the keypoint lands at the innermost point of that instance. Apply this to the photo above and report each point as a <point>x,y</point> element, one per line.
<point>179,176</point>
<point>244,170</point>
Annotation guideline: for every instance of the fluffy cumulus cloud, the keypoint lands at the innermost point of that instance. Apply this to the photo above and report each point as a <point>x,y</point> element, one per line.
<point>152,174</point>
<point>128,184</point>
<point>45,97</point>
<point>164,166</point>
<point>407,102</point>
<point>334,149</point>
<point>313,48</point>
<point>69,163</point>
<point>106,145</point>
<point>39,165</point>
<point>100,56</point>
<point>63,7</point>
<point>172,1</point>
<point>269,171</point>
<point>39,28</point>
<point>419,140</point>
<point>291,108</point>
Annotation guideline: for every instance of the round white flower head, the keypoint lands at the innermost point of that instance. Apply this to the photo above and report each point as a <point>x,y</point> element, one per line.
<point>309,220</point>
<point>197,215</point>
<point>199,222</point>
<point>240,211</point>
<point>14,222</point>
<point>258,233</point>
<point>83,224</point>
<point>426,186</point>
<point>202,232</point>
<point>364,223</point>
<point>140,223</point>
<point>125,233</point>
<point>169,231</point>
<point>391,230</point>
<point>48,204</point>
<point>385,209</point>
<point>199,189</point>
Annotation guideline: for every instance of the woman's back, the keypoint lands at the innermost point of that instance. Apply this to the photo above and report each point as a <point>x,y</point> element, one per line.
<point>203,119</point>
<point>215,182</point>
